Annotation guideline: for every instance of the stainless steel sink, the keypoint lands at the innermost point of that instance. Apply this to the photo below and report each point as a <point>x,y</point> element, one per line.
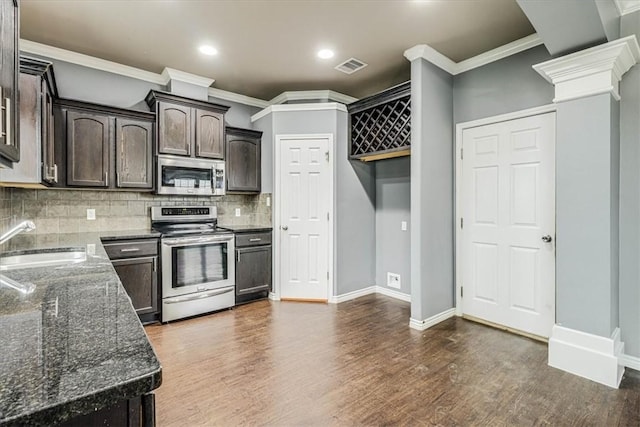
<point>47,258</point>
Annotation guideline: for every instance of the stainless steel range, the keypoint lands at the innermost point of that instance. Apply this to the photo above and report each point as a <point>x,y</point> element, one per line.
<point>198,268</point>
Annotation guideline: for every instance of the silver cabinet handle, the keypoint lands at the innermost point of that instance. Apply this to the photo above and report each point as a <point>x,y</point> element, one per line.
<point>1,117</point>
<point>237,256</point>
<point>55,173</point>
<point>547,238</point>
<point>284,227</point>
<point>255,240</point>
<point>106,179</point>
<point>130,250</point>
<point>7,109</point>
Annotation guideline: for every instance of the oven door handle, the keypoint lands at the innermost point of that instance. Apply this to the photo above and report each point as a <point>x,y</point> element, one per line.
<point>199,295</point>
<point>196,240</point>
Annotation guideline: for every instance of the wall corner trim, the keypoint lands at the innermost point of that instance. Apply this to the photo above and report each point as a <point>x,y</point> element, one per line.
<point>274,297</point>
<point>428,53</point>
<point>586,355</point>
<point>236,97</point>
<point>306,95</point>
<point>299,107</point>
<point>592,71</point>
<point>169,74</point>
<point>627,6</point>
<point>336,299</point>
<point>393,293</point>
<point>421,325</point>
<point>628,361</point>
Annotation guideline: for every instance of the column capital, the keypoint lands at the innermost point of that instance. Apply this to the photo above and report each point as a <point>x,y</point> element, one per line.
<point>592,71</point>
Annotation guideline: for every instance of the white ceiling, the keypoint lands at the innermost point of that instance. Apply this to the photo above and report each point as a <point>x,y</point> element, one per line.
<point>269,46</point>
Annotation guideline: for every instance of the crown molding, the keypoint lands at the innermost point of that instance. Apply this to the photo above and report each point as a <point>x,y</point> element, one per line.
<point>89,61</point>
<point>428,53</point>
<point>308,95</point>
<point>320,106</point>
<point>499,53</point>
<point>591,71</point>
<point>236,97</point>
<point>169,74</point>
<point>626,7</point>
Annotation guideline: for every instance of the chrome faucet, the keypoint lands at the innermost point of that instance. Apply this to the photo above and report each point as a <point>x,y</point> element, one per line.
<point>25,226</point>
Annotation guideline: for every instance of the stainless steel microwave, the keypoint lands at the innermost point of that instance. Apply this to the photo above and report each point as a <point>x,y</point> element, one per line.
<point>189,176</point>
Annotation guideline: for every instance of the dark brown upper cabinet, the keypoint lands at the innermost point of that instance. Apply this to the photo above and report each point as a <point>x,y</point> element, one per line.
<point>105,147</point>
<point>88,141</point>
<point>134,153</point>
<point>175,134</point>
<point>209,134</point>
<point>243,160</point>
<point>9,71</point>
<point>188,127</point>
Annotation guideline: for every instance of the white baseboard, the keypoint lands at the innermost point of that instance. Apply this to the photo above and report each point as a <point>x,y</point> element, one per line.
<point>587,355</point>
<point>393,294</point>
<point>632,362</point>
<point>274,297</point>
<point>421,325</point>
<point>368,291</point>
<point>352,295</point>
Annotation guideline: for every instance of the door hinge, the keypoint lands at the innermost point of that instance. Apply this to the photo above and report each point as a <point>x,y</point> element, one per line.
<point>327,275</point>
<point>326,155</point>
<point>327,216</point>
<point>461,223</point>
<point>461,153</point>
<point>461,291</point>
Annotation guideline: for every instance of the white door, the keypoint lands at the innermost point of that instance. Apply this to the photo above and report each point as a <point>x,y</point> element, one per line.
<point>304,218</point>
<point>508,230</point>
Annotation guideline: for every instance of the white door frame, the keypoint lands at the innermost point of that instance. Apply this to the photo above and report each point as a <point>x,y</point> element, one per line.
<point>460,127</point>
<point>275,294</point>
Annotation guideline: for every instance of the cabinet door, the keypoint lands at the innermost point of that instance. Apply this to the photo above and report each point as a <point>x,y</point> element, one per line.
<point>139,277</point>
<point>175,134</point>
<point>209,134</point>
<point>243,165</point>
<point>9,53</point>
<point>49,166</point>
<point>253,270</point>
<point>134,153</point>
<point>88,141</point>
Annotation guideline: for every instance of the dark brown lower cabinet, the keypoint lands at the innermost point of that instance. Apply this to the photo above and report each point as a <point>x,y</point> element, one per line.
<point>136,412</point>
<point>136,263</point>
<point>253,266</point>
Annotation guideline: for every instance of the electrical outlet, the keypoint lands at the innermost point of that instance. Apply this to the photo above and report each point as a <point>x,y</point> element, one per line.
<point>393,280</point>
<point>403,226</point>
<point>91,214</point>
<point>268,201</point>
<point>91,249</point>
<point>237,211</point>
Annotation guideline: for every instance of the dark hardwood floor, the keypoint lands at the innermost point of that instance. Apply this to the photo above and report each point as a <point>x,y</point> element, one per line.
<point>359,363</point>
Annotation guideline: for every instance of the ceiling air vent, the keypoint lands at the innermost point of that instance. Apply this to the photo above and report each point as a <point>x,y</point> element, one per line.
<point>350,66</point>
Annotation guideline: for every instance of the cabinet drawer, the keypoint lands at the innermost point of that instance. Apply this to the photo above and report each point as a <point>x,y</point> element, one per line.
<point>253,239</point>
<point>137,248</point>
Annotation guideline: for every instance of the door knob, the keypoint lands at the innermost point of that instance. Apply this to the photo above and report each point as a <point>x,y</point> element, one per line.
<point>547,238</point>
<point>284,227</point>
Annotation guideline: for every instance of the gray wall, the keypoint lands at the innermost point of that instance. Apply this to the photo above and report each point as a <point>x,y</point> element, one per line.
<point>432,287</point>
<point>501,87</point>
<point>586,192</point>
<point>566,25</point>
<point>630,198</point>
<point>354,198</point>
<point>393,205</point>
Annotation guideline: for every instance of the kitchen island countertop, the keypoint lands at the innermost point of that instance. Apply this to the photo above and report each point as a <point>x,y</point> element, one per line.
<point>75,345</point>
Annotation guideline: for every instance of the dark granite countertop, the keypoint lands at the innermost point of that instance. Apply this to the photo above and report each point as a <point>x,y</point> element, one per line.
<point>251,228</point>
<point>129,235</point>
<point>75,344</point>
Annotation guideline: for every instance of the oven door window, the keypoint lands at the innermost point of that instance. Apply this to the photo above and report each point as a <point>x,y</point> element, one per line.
<point>173,176</point>
<point>199,264</point>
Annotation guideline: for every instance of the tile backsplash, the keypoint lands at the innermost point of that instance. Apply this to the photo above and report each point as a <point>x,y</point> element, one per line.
<point>65,211</point>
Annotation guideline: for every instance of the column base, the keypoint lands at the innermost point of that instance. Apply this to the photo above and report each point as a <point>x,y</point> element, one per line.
<point>587,355</point>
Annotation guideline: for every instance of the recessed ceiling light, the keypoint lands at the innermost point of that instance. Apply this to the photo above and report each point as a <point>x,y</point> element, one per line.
<point>208,50</point>
<point>325,54</point>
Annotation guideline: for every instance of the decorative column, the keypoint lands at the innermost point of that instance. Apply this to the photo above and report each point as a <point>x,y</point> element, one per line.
<point>586,339</point>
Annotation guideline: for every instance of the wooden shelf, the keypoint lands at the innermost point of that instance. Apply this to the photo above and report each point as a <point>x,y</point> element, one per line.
<point>380,125</point>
